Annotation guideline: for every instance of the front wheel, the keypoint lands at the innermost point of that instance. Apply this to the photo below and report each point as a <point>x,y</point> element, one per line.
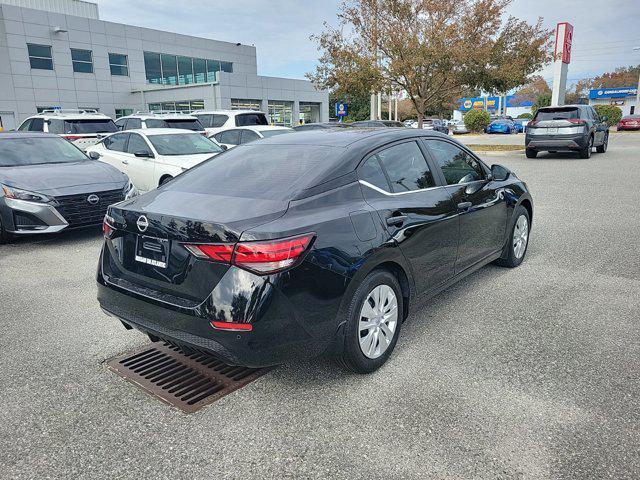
<point>531,153</point>
<point>373,323</point>
<point>4,236</point>
<point>605,143</point>
<point>516,247</point>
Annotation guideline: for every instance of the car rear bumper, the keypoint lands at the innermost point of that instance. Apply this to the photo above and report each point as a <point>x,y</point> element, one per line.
<point>287,323</point>
<point>556,142</point>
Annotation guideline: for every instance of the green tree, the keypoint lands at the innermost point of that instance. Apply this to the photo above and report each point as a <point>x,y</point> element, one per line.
<point>432,50</point>
<point>613,113</point>
<point>477,120</point>
<point>543,100</point>
<point>357,105</point>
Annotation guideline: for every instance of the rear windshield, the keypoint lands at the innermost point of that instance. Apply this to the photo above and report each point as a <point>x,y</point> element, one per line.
<point>187,124</point>
<point>557,114</point>
<point>63,127</point>
<point>273,133</point>
<point>212,120</point>
<point>248,119</point>
<point>269,172</point>
<point>183,144</point>
<point>16,152</point>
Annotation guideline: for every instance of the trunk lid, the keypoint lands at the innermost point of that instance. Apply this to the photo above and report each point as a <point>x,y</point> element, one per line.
<point>147,253</point>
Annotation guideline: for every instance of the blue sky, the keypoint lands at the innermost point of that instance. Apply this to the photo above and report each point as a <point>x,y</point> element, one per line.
<point>605,30</point>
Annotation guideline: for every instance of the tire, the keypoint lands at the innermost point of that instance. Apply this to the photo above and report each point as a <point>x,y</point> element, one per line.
<point>165,180</point>
<point>352,351</point>
<point>586,152</point>
<point>605,143</point>
<point>514,252</point>
<point>531,153</point>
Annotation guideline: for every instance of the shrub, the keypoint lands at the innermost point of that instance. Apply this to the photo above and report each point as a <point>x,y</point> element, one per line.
<point>525,115</point>
<point>614,113</point>
<point>477,120</point>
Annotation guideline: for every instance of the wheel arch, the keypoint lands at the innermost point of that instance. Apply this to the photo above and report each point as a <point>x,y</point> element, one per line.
<point>526,203</point>
<point>164,177</point>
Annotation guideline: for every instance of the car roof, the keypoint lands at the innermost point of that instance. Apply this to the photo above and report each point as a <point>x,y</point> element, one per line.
<point>74,114</point>
<point>226,112</point>
<point>160,131</point>
<point>258,128</point>
<point>161,116</point>
<point>8,135</point>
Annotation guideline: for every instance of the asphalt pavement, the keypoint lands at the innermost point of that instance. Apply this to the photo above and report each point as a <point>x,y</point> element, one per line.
<point>513,373</point>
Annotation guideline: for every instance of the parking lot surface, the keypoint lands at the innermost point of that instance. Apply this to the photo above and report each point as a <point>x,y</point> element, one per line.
<point>523,373</point>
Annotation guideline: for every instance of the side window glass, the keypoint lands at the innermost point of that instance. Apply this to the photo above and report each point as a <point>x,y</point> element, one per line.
<point>116,142</point>
<point>137,144</point>
<point>120,124</point>
<point>371,172</point>
<point>25,125</point>
<point>249,136</point>
<point>37,125</point>
<point>219,120</point>
<point>134,123</point>
<point>231,137</point>
<point>406,167</point>
<point>456,164</point>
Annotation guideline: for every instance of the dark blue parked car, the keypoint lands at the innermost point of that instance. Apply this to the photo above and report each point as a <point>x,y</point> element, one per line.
<point>520,123</point>
<point>501,125</point>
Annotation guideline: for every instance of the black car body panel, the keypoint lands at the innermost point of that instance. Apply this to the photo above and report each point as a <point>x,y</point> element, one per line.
<point>300,311</point>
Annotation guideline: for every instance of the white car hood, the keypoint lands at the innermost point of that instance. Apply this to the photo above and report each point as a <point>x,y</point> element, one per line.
<point>186,161</point>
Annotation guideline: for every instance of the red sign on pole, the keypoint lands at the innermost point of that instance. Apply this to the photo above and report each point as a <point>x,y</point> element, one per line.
<point>564,39</point>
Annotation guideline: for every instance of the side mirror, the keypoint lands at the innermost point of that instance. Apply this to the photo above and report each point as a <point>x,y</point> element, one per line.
<point>224,147</point>
<point>143,154</point>
<point>94,155</point>
<point>499,173</point>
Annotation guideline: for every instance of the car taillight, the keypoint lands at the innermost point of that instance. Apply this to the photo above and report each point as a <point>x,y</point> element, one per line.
<point>107,226</point>
<point>576,121</point>
<point>232,326</point>
<point>532,123</point>
<point>71,138</point>
<point>261,257</point>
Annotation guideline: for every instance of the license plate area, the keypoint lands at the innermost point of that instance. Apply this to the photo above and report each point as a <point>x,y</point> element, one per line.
<point>552,131</point>
<point>152,251</point>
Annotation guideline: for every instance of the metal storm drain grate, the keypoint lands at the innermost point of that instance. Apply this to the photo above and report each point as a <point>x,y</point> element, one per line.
<point>187,381</point>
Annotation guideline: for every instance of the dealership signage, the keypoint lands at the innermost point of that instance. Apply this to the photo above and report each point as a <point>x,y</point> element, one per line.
<point>564,39</point>
<point>620,92</point>
<point>491,103</point>
<point>341,109</point>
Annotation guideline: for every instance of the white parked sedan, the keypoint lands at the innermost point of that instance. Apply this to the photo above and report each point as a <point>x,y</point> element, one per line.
<point>236,136</point>
<point>153,156</point>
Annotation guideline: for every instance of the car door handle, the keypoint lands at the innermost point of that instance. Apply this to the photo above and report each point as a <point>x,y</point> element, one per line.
<point>126,162</point>
<point>396,220</point>
<point>464,206</point>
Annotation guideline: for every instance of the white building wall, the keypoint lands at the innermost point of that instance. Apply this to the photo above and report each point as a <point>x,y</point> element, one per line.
<point>626,108</point>
<point>78,8</point>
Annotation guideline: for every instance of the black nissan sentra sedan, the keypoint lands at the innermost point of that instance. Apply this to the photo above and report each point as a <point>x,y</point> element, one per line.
<point>47,184</point>
<point>301,244</point>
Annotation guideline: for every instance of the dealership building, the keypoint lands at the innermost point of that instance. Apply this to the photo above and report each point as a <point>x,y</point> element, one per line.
<point>622,97</point>
<point>59,54</point>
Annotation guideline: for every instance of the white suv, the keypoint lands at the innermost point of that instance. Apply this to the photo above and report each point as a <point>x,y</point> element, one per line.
<point>215,121</point>
<point>83,128</point>
<point>143,120</point>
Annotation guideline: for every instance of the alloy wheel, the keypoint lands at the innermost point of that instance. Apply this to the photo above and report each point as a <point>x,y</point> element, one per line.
<point>378,321</point>
<point>520,236</point>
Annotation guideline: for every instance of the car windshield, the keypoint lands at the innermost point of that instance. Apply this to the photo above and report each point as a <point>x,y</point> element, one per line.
<point>557,114</point>
<point>183,144</point>
<point>65,127</point>
<point>257,170</point>
<point>185,123</point>
<point>273,133</point>
<point>18,152</point>
<point>501,122</point>
<point>248,119</point>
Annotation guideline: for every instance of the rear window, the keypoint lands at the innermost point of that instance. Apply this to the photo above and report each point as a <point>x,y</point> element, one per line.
<point>212,120</point>
<point>16,152</point>
<point>269,172</point>
<point>64,127</point>
<point>557,114</point>
<point>248,119</point>
<point>187,124</point>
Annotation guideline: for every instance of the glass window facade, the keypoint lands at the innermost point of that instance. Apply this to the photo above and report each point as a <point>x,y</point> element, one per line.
<point>119,64</point>
<point>309,112</point>
<point>82,60</point>
<point>166,69</point>
<point>178,106</point>
<point>123,112</point>
<point>281,113</point>
<point>40,56</point>
<point>245,104</point>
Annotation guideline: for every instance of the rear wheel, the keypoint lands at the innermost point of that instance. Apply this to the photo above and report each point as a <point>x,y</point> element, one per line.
<point>516,247</point>
<point>531,153</point>
<point>586,152</point>
<point>373,323</point>
<point>605,143</point>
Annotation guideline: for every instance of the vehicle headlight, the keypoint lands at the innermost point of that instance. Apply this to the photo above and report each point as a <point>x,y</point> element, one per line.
<point>130,190</point>
<point>19,194</point>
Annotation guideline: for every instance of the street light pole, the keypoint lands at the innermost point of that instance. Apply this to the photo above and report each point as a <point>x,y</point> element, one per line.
<point>636,110</point>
